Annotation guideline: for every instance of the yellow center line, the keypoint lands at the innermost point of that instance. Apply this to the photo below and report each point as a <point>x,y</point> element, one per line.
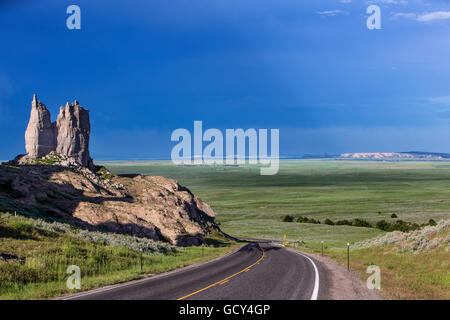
<point>227,278</point>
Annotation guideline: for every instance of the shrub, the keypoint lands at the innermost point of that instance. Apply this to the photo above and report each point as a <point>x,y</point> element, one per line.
<point>344,223</point>
<point>302,219</point>
<point>403,226</point>
<point>328,222</point>
<point>413,226</point>
<point>307,220</point>
<point>361,223</point>
<point>288,218</point>
<point>105,173</point>
<point>394,216</point>
<point>400,225</point>
<point>107,238</point>
<point>432,223</point>
<point>20,226</point>
<point>383,225</point>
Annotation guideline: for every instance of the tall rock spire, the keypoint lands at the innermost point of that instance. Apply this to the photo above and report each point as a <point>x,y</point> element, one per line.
<point>40,136</point>
<point>73,131</point>
<point>69,135</point>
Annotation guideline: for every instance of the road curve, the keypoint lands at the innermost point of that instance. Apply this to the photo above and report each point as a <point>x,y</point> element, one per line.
<point>257,271</point>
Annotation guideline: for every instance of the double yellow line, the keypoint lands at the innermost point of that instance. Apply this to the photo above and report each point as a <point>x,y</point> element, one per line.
<point>228,278</point>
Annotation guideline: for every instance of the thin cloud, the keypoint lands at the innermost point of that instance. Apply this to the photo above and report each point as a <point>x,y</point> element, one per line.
<point>441,100</point>
<point>438,15</point>
<point>403,2</point>
<point>330,13</point>
<point>424,17</point>
<point>406,15</point>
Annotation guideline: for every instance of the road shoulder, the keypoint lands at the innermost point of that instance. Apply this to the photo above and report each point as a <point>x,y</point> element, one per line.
<point>336,283</point>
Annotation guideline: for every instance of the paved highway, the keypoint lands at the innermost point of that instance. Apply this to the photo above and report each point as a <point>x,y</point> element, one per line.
<point>257,271</point>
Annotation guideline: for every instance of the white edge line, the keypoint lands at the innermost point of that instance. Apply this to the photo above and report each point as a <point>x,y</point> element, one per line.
<point>316,280</point>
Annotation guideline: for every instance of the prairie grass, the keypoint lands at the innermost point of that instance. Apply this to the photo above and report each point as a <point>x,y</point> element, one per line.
<point>404,275</point>
<point>36,260</point>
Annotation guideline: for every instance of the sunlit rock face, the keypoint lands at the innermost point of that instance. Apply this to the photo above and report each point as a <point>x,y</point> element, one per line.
<point>73,130</point>
<point>40,135</point>
<point>69,135</point>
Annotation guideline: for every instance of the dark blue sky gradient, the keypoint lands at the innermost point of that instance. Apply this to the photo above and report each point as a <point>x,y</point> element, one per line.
<point>145,68</point>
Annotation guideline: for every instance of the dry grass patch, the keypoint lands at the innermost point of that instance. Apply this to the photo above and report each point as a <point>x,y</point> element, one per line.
<point>403,275</point>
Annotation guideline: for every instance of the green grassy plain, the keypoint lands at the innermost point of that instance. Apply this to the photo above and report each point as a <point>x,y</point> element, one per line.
<point>248,204</point>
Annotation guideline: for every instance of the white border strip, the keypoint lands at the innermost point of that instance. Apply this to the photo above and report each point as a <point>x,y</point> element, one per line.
<point>316,280</point>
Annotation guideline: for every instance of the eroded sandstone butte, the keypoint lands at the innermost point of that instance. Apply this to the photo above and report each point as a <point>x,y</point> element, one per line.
<point>145,206</point>
<point>68,136</point>
<point>57,180</point>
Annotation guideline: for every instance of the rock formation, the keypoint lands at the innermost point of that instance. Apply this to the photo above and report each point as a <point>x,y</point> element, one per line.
<point>152,207</point>
<point>59,182</point>
<point>68,136</point>
<point>40,135</point>
<point>72,133</point>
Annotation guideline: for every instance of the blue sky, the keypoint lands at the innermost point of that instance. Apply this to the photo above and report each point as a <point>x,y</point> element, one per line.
<point>310,68</point>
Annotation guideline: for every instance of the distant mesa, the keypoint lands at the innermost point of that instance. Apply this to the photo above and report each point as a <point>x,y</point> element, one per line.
<point>411,155</point>
<point>381,156</point>
<point>68,136</point>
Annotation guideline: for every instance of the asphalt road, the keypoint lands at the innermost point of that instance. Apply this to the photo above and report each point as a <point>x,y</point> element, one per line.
<point>258,271</point>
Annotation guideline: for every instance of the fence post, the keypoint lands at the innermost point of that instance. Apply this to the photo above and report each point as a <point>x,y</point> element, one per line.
<point>348,256</point>
<point>141,258</point>
<point>322,248</point>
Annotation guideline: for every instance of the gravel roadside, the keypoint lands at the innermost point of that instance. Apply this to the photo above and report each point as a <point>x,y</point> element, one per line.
<point>341,284</point>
